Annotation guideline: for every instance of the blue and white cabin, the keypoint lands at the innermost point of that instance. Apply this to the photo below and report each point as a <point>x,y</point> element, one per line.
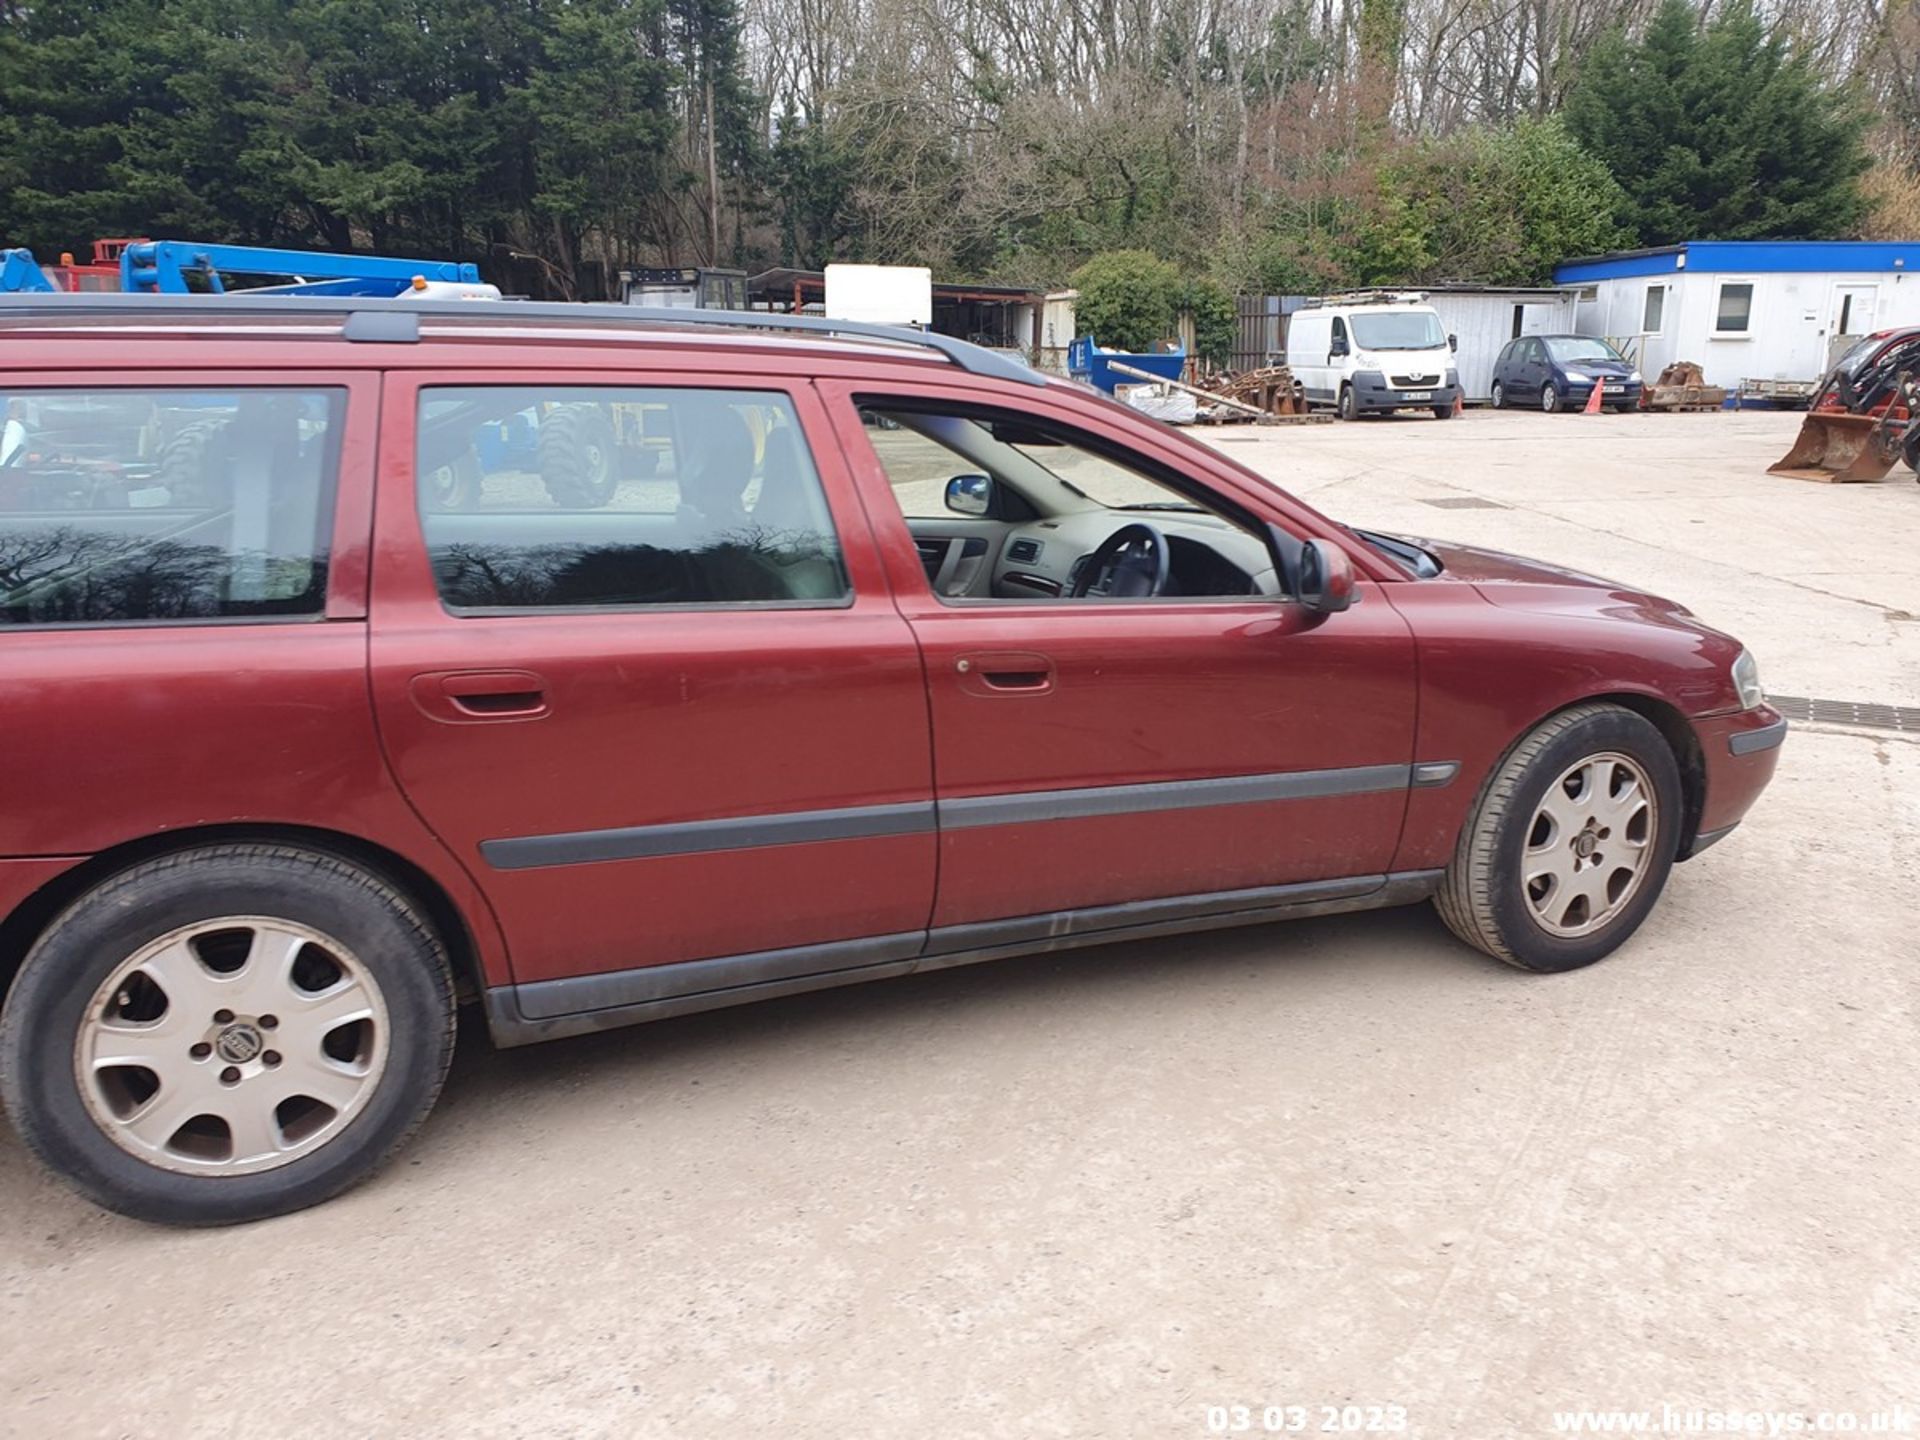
<point>1762,317</point>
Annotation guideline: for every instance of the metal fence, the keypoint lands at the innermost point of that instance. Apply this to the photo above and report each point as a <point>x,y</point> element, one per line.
<point>1259,333</point>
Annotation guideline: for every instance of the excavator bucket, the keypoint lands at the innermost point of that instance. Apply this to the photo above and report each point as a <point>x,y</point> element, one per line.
<point>1840,449</point>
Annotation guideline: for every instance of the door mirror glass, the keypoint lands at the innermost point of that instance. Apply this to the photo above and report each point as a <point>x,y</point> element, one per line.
<point>970,495</point>
<point>1326,577</point>
<point>1453,342</point>
<point>1337,348</point>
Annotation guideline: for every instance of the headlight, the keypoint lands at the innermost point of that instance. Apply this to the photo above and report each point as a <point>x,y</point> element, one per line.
<point>1746,680</point>
<point>1577,377</point>
<point>1634,378</point>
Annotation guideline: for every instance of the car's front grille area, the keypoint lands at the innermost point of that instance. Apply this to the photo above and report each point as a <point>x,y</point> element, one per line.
<point>1413,382</point>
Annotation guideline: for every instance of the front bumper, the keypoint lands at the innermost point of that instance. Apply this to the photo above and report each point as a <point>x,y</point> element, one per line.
<point>1739,754</point>
<point>1624,394</point>
<point>1372,393</point>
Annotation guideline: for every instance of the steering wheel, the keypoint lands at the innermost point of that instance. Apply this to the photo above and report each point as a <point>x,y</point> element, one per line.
<point>1130,564</point>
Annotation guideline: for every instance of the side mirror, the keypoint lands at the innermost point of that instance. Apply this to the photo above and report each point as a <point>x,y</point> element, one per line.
<point>970,495</point>
<point>1338,347</point>
<point>1326,578</point>
<point>1453,342</point>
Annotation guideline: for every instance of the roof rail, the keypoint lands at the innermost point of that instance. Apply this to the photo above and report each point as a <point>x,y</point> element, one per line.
<point>1374,296</point>
<point>974,359</point>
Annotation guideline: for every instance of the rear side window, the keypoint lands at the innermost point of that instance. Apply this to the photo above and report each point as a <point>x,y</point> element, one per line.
<point>576,497</point>
<point>145,506</point>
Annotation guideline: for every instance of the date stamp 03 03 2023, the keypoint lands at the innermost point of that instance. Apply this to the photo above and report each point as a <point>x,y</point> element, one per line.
<point>1306,1419</point>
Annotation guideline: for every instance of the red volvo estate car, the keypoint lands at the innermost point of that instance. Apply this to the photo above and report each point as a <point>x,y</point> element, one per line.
<point>601,665</point>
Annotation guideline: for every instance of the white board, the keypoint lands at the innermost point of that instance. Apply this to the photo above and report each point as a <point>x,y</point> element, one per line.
<point>880,294</point>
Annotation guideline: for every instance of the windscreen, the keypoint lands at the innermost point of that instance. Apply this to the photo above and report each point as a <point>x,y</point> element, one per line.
<point>1581,348</point>
<point>1398,330</point>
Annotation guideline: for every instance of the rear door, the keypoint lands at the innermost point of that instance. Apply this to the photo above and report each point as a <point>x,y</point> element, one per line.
<point>635,661</point>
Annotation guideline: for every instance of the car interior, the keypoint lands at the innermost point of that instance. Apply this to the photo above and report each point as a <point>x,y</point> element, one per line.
<point>1003,508</point>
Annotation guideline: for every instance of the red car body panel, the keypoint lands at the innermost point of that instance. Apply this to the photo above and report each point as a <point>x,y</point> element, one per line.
<point>351,724</point>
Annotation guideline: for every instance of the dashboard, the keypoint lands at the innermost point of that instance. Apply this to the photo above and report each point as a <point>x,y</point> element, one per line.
<point>1206,555</point>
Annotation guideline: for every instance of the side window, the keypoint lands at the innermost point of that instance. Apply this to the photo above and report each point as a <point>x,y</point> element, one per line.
<point>1654,314</point>
<point>156,505</point>
<point>551,496</point>
<point>1339,333</point>
<point>918,463</point>
<point>1733,308</point>
<point>1035,503</point>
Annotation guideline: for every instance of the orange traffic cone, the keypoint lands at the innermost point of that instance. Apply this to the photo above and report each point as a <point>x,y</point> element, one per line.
<point>1459,402</point>
<point>1593,400</point>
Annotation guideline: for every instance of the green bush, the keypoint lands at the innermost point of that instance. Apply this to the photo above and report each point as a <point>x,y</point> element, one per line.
<point>1127,299</point>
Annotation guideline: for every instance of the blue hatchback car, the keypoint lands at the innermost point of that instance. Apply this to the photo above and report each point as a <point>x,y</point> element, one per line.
<point>1558,372</point>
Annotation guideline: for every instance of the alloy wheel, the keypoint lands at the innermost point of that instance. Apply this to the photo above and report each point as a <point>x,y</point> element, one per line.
<point>231,1046</point>
<point>1590,844</point>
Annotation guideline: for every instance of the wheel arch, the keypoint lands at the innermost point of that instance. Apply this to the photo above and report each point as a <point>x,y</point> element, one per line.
<point>30,918</point>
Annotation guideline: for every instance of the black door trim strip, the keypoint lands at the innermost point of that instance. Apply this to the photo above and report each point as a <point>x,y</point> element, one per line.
<point>860,822</point>
<point>700,837</point>
<point>1089,801</point>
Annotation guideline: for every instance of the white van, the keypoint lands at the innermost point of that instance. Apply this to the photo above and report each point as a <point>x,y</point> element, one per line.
<point>1373,353</point>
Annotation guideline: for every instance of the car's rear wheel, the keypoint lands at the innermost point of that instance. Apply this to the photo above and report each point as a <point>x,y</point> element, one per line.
<point>1549,399</point>
<point>1570,842</point>
<point>227,1033</point>
<point>1499,399</point>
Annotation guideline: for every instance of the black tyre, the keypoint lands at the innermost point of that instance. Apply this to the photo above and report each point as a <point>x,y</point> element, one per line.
<point>1910,448</point>
<point>1499,399</point>
<point>579,456</point>
<point>227,1033</point>
<point>455,485</point>
<point>192,465</point>
<point>1549,399</point>
<point>1569,843</point>
<point>1443,412</point>
<point>1349,407</point>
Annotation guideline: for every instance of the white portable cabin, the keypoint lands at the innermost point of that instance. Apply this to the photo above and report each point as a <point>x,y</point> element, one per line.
<point>1760,316</point>
<point>1485,317</point>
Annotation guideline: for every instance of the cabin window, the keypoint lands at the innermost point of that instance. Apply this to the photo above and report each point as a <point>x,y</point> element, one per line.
<point>1733,309</point>
<point>1653,317</point>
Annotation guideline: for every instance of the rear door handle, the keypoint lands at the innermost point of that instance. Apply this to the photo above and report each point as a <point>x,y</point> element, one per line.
<point>464,697</point>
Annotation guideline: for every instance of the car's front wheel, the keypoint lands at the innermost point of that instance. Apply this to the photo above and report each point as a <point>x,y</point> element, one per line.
<point>227,1033</point>
<point>1570,842</point>
<point>1349,406</point>
<point>1549,399</point>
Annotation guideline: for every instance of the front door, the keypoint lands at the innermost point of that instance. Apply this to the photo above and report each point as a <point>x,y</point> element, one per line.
<point>635,662</point>
<point>1093,752</point>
